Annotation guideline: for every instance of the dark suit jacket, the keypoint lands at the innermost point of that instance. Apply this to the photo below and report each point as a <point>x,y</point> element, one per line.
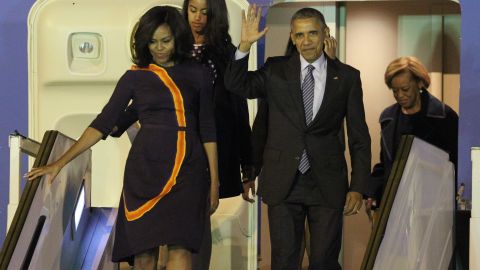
<point>437,124</point>
<point>259,135</point>
<point>278,81</point>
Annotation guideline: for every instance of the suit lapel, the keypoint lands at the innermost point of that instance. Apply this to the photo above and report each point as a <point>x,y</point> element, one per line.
<point>331,86</point>
<point>292,74</point>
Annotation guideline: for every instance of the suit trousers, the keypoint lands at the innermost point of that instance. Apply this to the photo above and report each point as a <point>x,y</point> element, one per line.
<point>287,225</point>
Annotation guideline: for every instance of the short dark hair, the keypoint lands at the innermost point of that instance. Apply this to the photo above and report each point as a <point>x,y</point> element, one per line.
<point>306,13</point>
<point>216,30</point>
<point>147,25</point>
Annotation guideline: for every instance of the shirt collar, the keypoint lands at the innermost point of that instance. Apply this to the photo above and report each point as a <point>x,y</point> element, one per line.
<point>317,64</point>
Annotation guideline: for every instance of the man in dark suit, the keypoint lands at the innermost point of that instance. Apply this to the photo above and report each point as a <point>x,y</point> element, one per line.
<point>304,172</point>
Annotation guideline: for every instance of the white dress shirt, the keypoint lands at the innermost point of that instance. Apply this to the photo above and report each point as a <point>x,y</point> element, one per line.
<point>319,76</point>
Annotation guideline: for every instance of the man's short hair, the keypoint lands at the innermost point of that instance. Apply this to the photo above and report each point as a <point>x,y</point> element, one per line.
<point>307,13</point>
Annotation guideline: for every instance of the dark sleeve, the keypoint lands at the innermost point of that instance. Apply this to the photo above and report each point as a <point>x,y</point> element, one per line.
<point>378,181</point>
<point>451,138</point>
<point>249,84</point>
<point>259,134</point>
<point>206,116</point>
<point>245,132</point>
<point>358,137</point>
<point>123,93</point>
<point>126,119</point>
<point>378,177</point>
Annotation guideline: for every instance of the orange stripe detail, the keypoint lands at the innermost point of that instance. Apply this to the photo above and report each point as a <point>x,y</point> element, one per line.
<point>181,145</point>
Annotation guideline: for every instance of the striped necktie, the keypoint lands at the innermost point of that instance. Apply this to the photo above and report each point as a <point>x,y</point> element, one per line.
<point>308,87</point>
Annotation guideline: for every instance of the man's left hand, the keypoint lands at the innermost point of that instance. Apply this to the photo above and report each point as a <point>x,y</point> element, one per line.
<point>330,47</point>
<point>247,186</point>
<point>353,203</point>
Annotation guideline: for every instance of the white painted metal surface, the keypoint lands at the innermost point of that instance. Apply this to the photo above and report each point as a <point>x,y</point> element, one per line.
<point>419,232</point>
<point>475,217</point>
<point>15,177</point>
<point>18,145</point>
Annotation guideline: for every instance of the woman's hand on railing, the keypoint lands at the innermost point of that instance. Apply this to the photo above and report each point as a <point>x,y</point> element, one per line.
<point>52,170</point>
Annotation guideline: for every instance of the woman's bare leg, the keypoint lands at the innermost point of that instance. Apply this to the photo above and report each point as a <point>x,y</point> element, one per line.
<point>163,257</point>
<point>179,258</point>
<point>146,260</point>
<point>307,239</point>
<point>305,246</point>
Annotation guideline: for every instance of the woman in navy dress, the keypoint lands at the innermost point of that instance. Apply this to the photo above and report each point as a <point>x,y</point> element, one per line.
<point>212,47</point>
<point>172,165</point>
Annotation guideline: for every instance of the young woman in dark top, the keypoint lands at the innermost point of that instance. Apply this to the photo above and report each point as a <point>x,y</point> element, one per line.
<point>166,183</point>
<point>208,20</point>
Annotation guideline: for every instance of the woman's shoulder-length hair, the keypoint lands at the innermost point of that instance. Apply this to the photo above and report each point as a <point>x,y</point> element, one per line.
<point>146,27</point>
<point>216,30</point>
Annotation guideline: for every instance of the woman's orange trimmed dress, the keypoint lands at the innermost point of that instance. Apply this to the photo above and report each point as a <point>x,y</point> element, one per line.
<point>166,178</point>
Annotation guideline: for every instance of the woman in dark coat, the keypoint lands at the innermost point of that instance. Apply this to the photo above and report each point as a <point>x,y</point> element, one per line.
<point>208,20</point>
<point>164,198</point>
<point>417,113</point>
